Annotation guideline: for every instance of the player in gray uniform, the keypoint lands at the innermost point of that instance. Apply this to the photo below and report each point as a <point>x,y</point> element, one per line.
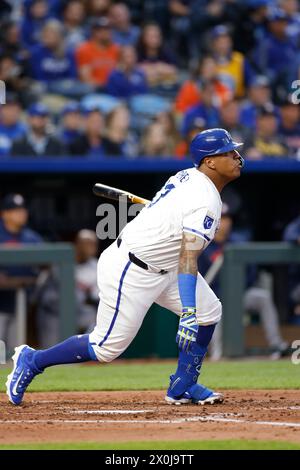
<point>155,260</point>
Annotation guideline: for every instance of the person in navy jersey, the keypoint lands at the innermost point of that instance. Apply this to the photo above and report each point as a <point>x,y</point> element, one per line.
<point>128,79</point>
<point>205,110</point>
<point>14,232</point>
<point>11,127</point>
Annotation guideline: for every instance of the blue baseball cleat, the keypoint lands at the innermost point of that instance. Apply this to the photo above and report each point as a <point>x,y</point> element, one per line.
<point>179,400</point>
<point>196,393</point>
<point>22,374</point>
<point>201,395</point>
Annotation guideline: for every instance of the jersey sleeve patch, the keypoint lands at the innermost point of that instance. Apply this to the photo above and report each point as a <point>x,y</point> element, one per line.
<point>201,223</point>
<point>208,222</point>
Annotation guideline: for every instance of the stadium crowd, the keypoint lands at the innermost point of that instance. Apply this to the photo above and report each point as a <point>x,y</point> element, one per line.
<point>98,78</point>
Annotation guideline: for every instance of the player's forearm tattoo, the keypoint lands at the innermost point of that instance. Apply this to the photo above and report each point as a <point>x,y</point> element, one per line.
<point>191,248</point>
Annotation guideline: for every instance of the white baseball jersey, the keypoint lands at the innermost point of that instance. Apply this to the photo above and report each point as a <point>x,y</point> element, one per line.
<point>189,202</point>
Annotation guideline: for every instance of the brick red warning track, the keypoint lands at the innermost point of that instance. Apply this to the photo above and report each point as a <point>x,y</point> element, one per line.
<point>126,416</point>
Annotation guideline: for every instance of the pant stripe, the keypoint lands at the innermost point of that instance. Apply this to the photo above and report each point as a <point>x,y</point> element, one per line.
<point>117,305</point>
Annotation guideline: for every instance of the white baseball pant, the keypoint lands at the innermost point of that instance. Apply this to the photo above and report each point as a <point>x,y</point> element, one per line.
<point>127,292</point>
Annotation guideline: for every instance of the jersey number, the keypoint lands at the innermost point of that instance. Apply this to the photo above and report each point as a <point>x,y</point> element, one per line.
<point>165,190</point>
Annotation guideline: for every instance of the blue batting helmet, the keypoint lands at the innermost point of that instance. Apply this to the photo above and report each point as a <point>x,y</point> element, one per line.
<point>210,143</point>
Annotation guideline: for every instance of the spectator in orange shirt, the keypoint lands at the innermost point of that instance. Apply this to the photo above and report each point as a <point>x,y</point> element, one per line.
<point>189,94</point>
<point>97,57</point>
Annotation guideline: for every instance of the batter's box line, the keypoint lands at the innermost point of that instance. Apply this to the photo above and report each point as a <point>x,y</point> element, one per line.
<point>110,412</point>
<point>175,421</point>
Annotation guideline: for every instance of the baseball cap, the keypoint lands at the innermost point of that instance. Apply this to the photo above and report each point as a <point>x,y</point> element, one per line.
<point>38,109</point>
<point>198,123</point>
<point>220,30</point>
<point>13,201</point>
<point>86,110</point>
<point>260,81</point>
<point>71,107</point>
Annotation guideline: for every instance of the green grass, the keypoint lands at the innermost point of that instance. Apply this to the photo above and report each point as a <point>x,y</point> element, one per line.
<point>168,445</point>
<point>145,376</point>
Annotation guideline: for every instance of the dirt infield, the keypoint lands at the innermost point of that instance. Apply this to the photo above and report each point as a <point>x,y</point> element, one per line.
<point>126,416</point>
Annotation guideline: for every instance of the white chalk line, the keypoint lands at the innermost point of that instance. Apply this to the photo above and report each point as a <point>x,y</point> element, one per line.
<point>110,412</point>
<point>284,408</point>
<point>193,419</point>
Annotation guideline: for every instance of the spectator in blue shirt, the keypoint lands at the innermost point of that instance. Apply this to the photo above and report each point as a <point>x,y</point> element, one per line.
<point>128,79</point>
<point>259,94</point>
<point>55,66</point>
<point>49,60</point>
<point>124,32</point>
<point>205,110</point>
<point>11,127</point>
<point>276,55</point>
<point>36,12</point>
<point>13,233</point>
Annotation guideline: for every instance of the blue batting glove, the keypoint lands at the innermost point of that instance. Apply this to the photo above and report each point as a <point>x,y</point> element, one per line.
<point>188,329</point>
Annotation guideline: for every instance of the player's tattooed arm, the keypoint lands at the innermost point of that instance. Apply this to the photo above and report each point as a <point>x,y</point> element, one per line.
<point>191,249</point>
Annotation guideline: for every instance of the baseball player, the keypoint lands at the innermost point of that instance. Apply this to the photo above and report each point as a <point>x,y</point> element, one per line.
<point>154,259</point>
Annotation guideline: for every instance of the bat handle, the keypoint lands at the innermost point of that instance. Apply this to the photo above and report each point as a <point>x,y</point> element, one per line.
<point>138,200</point>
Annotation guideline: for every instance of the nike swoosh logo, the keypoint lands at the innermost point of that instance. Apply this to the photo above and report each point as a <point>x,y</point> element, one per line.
<point>14,390</point>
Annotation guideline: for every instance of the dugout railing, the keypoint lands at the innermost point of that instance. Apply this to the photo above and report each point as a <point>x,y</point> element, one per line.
<point>233,283</point>
<point>58,254</point>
